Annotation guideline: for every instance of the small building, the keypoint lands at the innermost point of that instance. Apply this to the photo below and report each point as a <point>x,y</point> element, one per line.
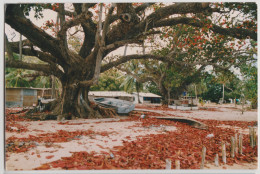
<point>122,95</point>
<point>147,98</point>
<point>24,96</point>
<point>189,100</point>
<point>20,97</point>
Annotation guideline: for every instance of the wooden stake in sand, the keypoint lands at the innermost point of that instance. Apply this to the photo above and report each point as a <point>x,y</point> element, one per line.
<point>236,144</point>
<point>216,160</point>
<point>168,164</point>
<point>224,157</point>
<point>177,164</point>
<point>232,147</point>
<point>251,136</point>
<point>203,155</point>
<point>240,144</point>
<point>254,136</point>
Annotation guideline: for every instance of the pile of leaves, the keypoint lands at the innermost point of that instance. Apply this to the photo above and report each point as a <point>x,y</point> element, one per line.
<point>151,151</point>
<point>17,145</point>
<point>105,112</point>
<point>14,117</point>
<point>14,127</point>
<point>11,120</point>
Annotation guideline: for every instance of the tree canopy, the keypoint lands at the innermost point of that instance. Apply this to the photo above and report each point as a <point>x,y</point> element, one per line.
<point>193,31</point>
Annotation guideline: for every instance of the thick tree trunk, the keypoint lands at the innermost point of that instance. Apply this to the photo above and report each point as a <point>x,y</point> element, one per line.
<point>74,103</point>
<point>164,93</point>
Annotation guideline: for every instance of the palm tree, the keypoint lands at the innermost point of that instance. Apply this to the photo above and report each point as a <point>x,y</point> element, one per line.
<point>130,83</point>
<point>14,78</point>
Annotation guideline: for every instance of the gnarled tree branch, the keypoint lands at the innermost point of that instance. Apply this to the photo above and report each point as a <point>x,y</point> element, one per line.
<point>234,32</point>
<point>37,36</point>
<point>130,57</point>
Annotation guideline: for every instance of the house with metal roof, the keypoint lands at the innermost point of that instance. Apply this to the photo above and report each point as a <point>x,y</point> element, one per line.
<point>122,95</point>
<point>25,96</point>
<point>147,98</point>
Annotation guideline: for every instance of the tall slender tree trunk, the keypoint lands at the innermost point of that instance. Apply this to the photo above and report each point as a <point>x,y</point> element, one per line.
<point>223,93</point>
<point>137,86</point>
<point>169,96</point>
<point>196,94</point>
<point>53,79</point>
<point>20,47</point>
<point>53,88</point>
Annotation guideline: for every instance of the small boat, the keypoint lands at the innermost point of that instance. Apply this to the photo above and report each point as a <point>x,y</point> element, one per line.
<point>121,106</point>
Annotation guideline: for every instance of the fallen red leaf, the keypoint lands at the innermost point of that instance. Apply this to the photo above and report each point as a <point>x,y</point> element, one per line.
<point>49,157</point>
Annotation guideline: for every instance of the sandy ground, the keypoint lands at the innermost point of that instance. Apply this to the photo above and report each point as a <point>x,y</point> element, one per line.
<point>225,112</point>
<point>118,132</point>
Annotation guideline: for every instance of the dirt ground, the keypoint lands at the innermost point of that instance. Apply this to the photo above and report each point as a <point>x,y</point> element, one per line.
<point>102,136</point>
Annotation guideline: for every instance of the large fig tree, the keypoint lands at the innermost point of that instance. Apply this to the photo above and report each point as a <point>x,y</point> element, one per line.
<point>104,31</point>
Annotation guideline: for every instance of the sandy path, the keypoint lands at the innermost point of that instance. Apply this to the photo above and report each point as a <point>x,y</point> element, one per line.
<point>118,131</point>
<point>223,114</point>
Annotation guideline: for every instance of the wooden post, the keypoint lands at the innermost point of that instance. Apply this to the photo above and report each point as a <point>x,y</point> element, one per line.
<point>251,136</point>
<point>177,164</point>
<point>240,144</point>
<point>224,157</point>
<point>254,136</point>
<point>203,155</point>
<point>168,164</point>
<point>223,93</point>
<point>236,144</point>
<point>232,147</point>
<point>216,160</point>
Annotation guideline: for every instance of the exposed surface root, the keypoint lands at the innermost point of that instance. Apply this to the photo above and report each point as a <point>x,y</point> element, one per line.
<point>105,112</point>
<point>52,111</point>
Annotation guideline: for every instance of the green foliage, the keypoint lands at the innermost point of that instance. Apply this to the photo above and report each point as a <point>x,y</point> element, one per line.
<point>250,87</point>
<point>36,8</point>
<point>152,87</point>
<point>109,81</point>
<point>249,8</point>
<point>14,78</point>
<point>214,86</point>
<point>130,84</point>
<point>21,77</point>
<point>214,89</point>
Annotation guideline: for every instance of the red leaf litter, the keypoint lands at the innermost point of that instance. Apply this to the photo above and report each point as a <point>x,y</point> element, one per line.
<point>146,152</point>
<point>11,120</point>
<point>49,157</point>
<point>150,151</point>
<point>18,145</point>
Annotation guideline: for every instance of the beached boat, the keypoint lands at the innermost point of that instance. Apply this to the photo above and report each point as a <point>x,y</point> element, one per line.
<point>121,106</point>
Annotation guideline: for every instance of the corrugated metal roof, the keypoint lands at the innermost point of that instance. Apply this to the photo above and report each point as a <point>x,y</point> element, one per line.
<point>110,93</point>
<point>147,94</point>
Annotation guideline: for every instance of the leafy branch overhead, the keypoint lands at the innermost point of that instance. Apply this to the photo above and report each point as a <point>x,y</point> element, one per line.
<point>76,45</point>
